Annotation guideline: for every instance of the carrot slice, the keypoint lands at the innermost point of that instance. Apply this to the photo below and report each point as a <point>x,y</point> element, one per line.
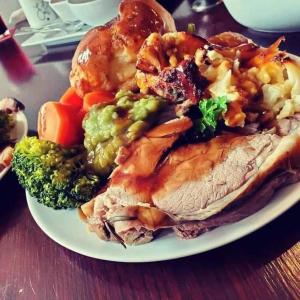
<point>60,123</point>
<point>71,98</point>
<point>99,97</point>
<point>266,55</point>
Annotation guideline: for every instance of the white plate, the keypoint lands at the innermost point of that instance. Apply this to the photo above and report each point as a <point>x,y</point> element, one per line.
<point>54,38</point>
<point>66,228</point>
<point>20,130</point>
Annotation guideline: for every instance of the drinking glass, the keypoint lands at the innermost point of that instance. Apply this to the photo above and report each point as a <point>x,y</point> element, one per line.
<point>13,60</point>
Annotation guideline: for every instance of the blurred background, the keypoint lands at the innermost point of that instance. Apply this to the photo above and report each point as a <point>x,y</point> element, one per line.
<point>7,7</point>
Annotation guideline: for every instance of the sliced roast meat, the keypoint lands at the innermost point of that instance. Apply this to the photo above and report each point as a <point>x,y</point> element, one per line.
<point>129,192</point>
<point>129,182</point>
<point>288,126</point>
<point>203,185</point>
<point>120,224</point>
<point>240,210</point>
<point>132,225</point>
<point>198,181</point>
<point>181,83</point>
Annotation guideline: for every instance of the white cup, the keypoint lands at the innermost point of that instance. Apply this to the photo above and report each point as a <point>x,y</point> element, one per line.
<point>63,10</point>
<point>38,13</point>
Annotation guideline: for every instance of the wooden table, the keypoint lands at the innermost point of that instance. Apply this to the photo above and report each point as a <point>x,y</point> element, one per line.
<point>263,265</point>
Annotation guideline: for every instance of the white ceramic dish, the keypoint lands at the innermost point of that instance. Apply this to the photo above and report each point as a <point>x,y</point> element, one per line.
<point>66,228</point>
<point>38,13</point>
<point>94,12</point>
<point>266,15</point>
<point>20,130</point>
<point>55,38</point>
<point>63,10</point>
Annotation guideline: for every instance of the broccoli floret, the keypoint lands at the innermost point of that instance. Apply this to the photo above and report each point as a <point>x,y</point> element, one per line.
<point>7,123</point>
<point>211,110</point>
<point>54,175</point>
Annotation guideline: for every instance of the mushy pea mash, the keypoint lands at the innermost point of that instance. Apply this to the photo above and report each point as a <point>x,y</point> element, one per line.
<point>108,127</point>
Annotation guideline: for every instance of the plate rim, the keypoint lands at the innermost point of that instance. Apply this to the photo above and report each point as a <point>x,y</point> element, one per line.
<point>194,251</point>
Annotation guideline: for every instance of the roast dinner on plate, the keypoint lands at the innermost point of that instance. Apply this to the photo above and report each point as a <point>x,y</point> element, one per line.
<point>164,129</point>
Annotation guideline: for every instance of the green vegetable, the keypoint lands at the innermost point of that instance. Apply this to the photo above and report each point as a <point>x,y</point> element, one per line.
<point>7,123</point>
<point>56,176</point>
<point>211,110</point>
<point>108,127</point>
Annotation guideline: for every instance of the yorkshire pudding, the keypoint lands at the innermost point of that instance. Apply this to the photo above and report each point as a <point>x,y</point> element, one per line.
<point>105,59</point>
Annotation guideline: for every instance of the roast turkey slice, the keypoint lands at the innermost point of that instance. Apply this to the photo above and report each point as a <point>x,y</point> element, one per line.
<point>196,187</point>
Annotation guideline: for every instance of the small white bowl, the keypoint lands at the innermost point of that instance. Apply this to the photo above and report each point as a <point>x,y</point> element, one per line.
<point>94,12</point>
<point>266,15</point>
<point>63,10</point>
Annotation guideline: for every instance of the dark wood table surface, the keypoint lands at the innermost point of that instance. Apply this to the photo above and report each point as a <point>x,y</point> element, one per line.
<point>263,265</point>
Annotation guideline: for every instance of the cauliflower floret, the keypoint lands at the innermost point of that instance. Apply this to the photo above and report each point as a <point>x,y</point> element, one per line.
<point>222,80</point>
<point>287,110</point>
<point>214,73</point>
<point>290,107</point>
<point>293,74</point>
<point>281,87</point>
<point>214,55</point>
<point>273,94</point>
<point>221,85</point>
<point>271,72</point>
